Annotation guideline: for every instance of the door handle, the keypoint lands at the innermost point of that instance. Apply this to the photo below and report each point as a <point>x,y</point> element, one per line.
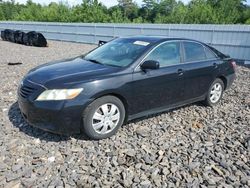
<point>215,65</point>
<point>180,72</point>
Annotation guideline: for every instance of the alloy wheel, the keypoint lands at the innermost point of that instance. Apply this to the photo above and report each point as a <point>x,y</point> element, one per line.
<point>216,93</point>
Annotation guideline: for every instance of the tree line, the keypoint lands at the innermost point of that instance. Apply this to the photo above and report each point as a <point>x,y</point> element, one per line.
<point>127,11</point>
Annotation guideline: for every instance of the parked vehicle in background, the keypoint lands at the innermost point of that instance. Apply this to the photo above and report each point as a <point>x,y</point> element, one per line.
<point>121,80</point>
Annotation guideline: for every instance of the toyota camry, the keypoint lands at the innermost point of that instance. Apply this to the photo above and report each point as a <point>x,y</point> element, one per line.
<point>124,79</point>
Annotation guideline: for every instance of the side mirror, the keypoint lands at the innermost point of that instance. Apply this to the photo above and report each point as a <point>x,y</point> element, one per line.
<point>150,64</point>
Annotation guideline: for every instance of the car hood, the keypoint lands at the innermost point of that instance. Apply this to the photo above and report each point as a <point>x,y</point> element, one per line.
<point>68,71</point>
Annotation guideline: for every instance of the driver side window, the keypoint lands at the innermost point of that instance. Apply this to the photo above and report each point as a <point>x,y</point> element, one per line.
<point>166,54</point>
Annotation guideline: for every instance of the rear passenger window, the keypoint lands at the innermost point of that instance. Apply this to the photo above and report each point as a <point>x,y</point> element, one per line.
<point>210,54</point>
<point>194,52</point>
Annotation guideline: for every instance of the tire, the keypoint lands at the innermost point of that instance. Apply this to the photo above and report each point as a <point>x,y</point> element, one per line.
<point>95,122</point>
<point>209,99</point>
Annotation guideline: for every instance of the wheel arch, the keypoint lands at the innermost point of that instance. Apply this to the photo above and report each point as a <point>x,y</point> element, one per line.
<point>224,80</point>
<point>117,95</point>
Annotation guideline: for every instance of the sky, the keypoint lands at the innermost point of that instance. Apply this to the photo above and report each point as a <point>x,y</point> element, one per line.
<point>108,3</point>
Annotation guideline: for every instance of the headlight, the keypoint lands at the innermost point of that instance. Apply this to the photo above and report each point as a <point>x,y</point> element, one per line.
<point>59,94</point>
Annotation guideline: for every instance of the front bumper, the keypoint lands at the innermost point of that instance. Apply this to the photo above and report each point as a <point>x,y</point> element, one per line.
<point>60,117</point>
<point>52,116</point>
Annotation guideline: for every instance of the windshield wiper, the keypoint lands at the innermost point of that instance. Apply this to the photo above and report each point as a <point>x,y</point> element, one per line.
<point>94,61</point>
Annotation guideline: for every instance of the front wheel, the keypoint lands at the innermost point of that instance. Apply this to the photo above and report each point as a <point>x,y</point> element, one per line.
<point>103,117</point>
<point>215,92</point>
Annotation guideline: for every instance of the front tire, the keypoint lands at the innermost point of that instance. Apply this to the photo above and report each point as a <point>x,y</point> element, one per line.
<point>103,117</point>
<point>215,92</point>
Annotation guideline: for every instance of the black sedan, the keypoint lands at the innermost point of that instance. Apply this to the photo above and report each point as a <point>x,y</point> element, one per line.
<point>121,80</point>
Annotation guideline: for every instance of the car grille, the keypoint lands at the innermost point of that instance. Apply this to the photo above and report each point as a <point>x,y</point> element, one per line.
<point>26,91</point>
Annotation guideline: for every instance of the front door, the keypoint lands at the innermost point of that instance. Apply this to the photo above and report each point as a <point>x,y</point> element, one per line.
<point>163,87</point>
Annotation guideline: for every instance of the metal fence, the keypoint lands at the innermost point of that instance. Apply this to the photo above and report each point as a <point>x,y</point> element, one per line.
<point>230,39</point>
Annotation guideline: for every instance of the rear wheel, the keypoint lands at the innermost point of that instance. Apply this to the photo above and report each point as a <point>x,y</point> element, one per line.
<point>103,117</point>
<point>215,92</point>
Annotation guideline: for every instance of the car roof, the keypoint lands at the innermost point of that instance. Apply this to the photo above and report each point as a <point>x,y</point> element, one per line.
<point>156,39</point>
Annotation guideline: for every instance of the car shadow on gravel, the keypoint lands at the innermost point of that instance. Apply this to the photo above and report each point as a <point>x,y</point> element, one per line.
<point>18,121</point>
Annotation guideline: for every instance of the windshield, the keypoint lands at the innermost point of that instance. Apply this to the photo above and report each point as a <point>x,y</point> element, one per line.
<point>119,52</point>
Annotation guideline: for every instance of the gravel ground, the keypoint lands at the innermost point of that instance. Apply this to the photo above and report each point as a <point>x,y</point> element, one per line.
<point>188,147</point>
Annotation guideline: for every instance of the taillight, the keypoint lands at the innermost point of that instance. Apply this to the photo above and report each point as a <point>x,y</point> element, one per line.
<point>233,63</point>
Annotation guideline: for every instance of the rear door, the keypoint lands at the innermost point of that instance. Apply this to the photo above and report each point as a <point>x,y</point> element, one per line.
<point>201,66</point>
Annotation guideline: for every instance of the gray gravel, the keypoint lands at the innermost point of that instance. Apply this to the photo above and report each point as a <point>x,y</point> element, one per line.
<point>188,147</point>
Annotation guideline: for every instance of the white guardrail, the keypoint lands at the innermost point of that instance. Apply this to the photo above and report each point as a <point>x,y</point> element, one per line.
<point>233,40</point>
